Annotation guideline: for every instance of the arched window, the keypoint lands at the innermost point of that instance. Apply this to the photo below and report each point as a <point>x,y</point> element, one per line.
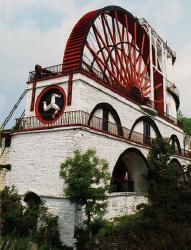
<point>175,144</point>
<point>147,127</point>
<point>109,117</point>
<point>178,170</point>
<point>129,172</point>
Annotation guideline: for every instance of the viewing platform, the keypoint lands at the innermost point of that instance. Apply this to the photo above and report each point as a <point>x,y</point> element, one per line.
<point>82,119</point>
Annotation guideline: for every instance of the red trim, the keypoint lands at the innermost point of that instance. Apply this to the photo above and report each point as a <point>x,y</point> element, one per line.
<point>39,116</point>
<point>70,87</point>
<point>33,96</point>
<point>134,50</point>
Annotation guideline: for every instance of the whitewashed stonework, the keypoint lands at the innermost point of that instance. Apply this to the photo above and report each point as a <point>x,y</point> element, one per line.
<point>124,203</point>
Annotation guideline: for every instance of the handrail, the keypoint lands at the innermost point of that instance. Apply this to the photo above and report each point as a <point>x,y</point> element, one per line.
<point>81,118</point>
<point>48,71</point>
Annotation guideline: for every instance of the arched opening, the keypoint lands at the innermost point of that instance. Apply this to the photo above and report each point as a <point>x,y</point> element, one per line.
<point>130,171</point>
<point>32,199</point>
<point>32,211</point>
<point>175,144</point>
<point>110,120</point>
<point>177,170</point>
<point>147,127</point>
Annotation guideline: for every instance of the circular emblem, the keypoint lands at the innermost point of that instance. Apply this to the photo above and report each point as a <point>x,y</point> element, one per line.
<point>50,104</point>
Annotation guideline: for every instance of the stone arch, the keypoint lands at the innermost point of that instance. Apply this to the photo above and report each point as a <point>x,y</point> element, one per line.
<point>148,123</point>
<point>178,169</point>
<point>107,109</point>
<point>175,143</point>
<point>130,171</point>
<point>32,199</point>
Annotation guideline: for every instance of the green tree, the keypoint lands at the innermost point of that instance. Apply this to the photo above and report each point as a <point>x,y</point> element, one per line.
<point>186,121</point>
<point>165,222</point>
<point>21,224</point>
<point>87,182</point>
<point>11,211</point>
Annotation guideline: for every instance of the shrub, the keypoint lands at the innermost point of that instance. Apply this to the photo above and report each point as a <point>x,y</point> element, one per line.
<point>11,211</point>
<point>21,226</point>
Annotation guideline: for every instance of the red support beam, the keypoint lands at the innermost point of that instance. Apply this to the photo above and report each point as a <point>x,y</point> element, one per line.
<point>33,95</point>
<point>70,86</point>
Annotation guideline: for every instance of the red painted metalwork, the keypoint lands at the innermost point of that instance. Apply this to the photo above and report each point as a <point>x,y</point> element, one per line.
<point>158,92</point>
<point>83,119</point>
<point>70,86</point>
<point>33,96</point>
<point>111,44</point>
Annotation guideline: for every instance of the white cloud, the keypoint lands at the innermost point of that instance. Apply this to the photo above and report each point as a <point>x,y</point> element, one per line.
<point>24,45</point>
<point>182,76</point>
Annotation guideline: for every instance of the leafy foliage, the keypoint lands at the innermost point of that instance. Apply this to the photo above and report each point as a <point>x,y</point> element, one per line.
<point>21,225</point>
<point>186,121</point>
<point>11,211</point>
<point>165,222</point>
<point>86,182</point>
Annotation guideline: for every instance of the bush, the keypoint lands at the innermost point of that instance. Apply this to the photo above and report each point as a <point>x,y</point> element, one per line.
<point>164,223</point>
<point>34,223</point>
<point>11,211</point>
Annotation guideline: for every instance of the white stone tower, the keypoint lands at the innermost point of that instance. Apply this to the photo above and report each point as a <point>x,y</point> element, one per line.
<point>111,93</point>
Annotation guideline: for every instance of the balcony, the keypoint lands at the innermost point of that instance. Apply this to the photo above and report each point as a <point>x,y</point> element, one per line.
<point>83,119</point>
<point>48,72</point>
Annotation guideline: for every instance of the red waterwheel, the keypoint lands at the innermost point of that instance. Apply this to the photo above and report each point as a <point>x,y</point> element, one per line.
<point>111,45</point>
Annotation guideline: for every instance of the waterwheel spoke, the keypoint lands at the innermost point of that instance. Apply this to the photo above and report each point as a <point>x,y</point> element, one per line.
<point>147,93</point>
<point>144,71</point>
<point>123,52</point>
<point>97,59</point>
<point>107,42</point>
<point>140,58</point>
<point>111,58</point>
<point>100,61</point>
<point>134,48</point>
<point>103,55</point>
<point>129,47</point>
<point>116,50</point>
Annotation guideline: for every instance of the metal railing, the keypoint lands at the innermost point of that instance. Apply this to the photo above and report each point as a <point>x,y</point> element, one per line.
<point>81,118</point>
<point>171,119</point>
<point>50,71</point>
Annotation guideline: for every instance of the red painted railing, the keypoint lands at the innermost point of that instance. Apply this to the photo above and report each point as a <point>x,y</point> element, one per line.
<point>81,118</point>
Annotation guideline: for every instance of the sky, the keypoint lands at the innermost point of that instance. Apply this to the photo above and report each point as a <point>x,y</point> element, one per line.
<point>36,31</point>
